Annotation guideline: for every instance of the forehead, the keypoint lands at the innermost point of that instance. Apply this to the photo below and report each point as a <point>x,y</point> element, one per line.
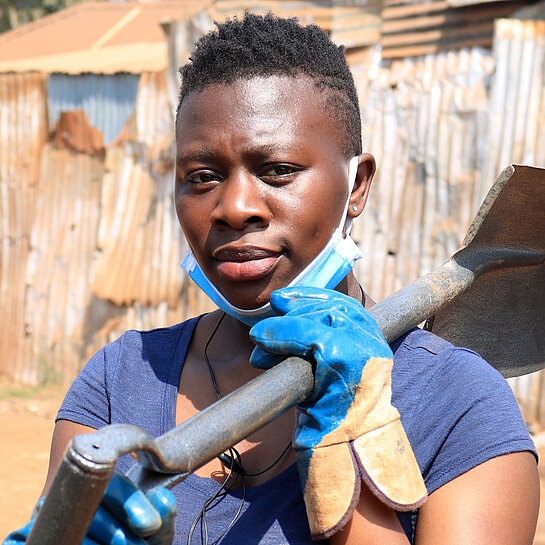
<point>280,107</point>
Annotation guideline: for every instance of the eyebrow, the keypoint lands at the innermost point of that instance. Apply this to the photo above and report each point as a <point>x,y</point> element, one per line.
<point>267,149</point>
<point>204,154</point>
<point>201,154</point>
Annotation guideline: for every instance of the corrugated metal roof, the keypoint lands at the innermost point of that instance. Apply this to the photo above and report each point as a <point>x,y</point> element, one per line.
<point>412,28</point>
<point>355,24</point>
<point>103,37</point>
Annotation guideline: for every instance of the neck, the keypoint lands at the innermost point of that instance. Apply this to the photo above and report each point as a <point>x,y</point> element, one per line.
<point>351,287</point>
<point>239,333</point>
<point>233,336</point>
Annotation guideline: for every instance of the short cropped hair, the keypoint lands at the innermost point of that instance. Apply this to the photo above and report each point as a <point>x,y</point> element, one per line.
<point>268,45</point>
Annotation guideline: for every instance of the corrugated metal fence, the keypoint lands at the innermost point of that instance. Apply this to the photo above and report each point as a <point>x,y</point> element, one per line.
<point>23,132</point>
<point>89,238</point>
<point>425,122</point>
<point>90,242</point>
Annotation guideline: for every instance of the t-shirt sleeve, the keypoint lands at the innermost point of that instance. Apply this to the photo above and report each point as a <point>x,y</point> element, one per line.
<point>87,401</point>
<point>457,410</point>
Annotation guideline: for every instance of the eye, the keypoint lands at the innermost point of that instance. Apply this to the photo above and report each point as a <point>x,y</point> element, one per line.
<point>278,171</point>
<point>202,177</point>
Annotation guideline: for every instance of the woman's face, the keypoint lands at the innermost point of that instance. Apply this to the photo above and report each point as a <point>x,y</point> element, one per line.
<point>261,182</point>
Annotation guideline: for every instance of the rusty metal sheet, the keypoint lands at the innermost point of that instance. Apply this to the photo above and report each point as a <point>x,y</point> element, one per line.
<point>74,131</point>
<point>517,131</point>
<point>418,28</point>
<point>23,131</point>
<point>107,100</point>
<point>63,242</point>
<point>139,238</point>
<point>152,121</point>
<point>425,121</point>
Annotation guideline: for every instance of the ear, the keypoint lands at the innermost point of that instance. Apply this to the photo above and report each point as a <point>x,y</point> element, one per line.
<point>364,177</point>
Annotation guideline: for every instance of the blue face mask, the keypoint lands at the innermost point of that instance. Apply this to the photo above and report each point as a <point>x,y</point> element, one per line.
<point>326,270</point>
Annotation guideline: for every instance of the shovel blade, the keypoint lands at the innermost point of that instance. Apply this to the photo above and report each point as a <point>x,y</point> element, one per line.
<point>502,315</point>
<point>502,318</point>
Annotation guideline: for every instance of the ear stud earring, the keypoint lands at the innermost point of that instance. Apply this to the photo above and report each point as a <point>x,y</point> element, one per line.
<point>355,208</point>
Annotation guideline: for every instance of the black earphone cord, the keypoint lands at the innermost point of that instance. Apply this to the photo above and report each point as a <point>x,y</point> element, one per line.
<point>231,461</point>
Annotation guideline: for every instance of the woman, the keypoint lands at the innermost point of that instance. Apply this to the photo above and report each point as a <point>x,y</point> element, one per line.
<point>269,175</point>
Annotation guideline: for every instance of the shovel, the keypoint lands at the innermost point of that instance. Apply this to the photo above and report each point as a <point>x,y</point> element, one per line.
<point>502,260</point>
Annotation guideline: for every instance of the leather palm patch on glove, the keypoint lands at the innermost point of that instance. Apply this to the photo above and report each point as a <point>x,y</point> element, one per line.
<point>348,429</point>
<point>370,443</point>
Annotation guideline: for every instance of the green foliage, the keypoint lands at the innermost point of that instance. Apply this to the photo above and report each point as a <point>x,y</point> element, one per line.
<point>15,13</point>
<point>7,392</point>
<point>47,374</point>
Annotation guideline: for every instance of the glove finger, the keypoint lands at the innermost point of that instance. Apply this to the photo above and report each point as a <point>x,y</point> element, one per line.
<point>164,502</point>
<point>333,335</point>
<point>360,330</point>
<point>264,360</point>
<point>288,299</point>
<point>298,301</point>
<point>401,487</point>
<point>131,506</point>
<point>317,311</point>
<point>18,536</point>
<point>331,487</point>
<point>288,336</point>
<point>106,529</point>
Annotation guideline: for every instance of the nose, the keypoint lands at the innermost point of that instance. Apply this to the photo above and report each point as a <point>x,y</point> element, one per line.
<point>241,203</point>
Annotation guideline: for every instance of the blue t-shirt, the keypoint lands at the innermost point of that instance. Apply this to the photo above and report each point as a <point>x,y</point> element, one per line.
<point>456,409</point>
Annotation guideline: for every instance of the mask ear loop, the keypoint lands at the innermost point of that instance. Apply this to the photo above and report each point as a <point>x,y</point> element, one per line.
<point>346,221</point>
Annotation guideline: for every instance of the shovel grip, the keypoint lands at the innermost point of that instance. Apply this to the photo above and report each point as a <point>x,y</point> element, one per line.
<point>72,501</point>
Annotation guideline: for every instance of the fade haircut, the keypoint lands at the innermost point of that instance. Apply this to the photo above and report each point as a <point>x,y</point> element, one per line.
<point>261,46</point>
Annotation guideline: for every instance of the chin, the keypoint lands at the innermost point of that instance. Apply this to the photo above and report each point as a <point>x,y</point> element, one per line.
<point>246,300</point>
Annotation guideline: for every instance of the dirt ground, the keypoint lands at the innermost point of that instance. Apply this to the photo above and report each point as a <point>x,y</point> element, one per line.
<point>26,424</point>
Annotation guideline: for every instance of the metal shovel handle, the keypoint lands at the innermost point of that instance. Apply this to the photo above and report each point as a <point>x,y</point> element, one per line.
<point>89,462</point>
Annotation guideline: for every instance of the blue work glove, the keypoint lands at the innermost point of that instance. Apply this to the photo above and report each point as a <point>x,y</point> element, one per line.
<point>348,428</point>
<point>126,516</point>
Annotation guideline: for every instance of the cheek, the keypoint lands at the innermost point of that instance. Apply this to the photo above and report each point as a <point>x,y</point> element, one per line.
<point>309,225</point>
<point>192,219</point>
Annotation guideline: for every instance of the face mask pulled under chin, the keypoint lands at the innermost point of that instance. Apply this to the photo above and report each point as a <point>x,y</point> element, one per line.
<point>326,270</point>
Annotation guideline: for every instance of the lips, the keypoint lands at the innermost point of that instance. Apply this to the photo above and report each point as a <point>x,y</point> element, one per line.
<point>245,263</point>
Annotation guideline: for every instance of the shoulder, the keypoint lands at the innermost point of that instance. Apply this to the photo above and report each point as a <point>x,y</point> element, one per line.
<point>425,364</point>
<point>139,359</point>
<point>457,410</point>
<point>154,342</point>
<point>426,350</point>
<point>137,366</point>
